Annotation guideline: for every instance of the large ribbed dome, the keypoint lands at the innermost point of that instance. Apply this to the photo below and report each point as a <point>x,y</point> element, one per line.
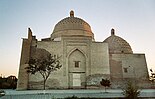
<point>117,44</point>
<point>72,26</point>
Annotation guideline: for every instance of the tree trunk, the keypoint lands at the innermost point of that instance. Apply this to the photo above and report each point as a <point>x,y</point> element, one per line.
<point>44,83</point>
<point>105,89</point>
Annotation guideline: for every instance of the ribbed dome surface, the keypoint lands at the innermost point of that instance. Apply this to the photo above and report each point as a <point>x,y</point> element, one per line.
<point>118,45</point>
<point>72,26</point>
<point>72,23</point>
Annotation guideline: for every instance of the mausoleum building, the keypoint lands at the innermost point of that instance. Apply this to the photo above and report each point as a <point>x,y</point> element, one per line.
<point>84,61</point>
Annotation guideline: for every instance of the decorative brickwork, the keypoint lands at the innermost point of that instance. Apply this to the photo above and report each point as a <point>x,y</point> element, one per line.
<point>94,80</point>
<point>118,45</point>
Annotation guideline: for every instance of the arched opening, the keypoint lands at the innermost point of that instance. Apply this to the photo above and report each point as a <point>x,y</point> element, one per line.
<point>76,69</point>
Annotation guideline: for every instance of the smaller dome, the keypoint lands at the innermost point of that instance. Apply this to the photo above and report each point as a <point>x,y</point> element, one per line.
<point>117,45</point>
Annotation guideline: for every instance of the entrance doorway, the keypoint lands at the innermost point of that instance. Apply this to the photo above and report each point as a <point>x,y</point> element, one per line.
<point>76,80</point>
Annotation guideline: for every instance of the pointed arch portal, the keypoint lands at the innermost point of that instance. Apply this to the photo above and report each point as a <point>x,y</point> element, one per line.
<point>76,69</point>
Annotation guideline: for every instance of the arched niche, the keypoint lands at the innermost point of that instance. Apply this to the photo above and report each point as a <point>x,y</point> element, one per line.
<point>77,61</point>
<point>76,69</point>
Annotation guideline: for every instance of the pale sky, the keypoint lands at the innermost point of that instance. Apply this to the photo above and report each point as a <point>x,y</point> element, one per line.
<point>133,20</point>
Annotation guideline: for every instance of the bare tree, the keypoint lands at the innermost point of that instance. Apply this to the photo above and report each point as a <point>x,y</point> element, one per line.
<point>44,66</point>
<point>152,77</point>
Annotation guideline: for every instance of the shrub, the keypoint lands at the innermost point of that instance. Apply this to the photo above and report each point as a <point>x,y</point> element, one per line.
<point>2,93</point>
<point>131,91</point>
<point>73,97</point>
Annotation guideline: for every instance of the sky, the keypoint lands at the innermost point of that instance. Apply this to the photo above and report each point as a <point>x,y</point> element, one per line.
<point>133,20</point>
